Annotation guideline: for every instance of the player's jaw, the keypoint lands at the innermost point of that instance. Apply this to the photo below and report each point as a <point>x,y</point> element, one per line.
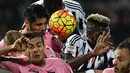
<point>116,70</point>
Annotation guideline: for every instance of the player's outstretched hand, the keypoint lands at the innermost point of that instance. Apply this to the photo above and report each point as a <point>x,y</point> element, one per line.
<point>103,44</point>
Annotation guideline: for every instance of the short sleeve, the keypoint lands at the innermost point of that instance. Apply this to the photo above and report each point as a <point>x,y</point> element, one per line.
<point>72,45</point>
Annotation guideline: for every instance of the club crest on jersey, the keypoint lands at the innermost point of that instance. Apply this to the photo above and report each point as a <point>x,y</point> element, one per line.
<point>52,56</point>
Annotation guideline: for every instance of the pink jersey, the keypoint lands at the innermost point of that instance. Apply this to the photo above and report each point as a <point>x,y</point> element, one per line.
<point>108,70</point>
<point>52,65</point>
<point>53,45</point>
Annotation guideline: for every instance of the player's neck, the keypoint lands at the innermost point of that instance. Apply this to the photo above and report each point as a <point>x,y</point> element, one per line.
<point>40,64</point>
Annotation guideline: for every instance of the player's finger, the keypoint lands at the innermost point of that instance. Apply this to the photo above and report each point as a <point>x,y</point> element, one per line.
<point>106,36</point>
<point>99,38</point>
<point>102,36</point>
<point>109,43</point>
<point>108,48</point>
<point>104,33</point>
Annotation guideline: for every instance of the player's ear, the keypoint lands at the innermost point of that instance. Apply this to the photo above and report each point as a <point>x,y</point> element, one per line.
<point>26,23</point>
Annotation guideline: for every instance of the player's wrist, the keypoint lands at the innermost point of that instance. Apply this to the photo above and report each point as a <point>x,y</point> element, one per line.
<point>12,48</point>
<point>93,54</point>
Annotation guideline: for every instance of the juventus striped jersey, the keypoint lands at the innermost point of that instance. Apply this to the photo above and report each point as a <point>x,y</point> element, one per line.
<point>76,9</point>
<point>77,46</point>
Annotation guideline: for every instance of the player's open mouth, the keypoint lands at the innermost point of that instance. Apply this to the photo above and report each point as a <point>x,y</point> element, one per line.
<point>36,56</point>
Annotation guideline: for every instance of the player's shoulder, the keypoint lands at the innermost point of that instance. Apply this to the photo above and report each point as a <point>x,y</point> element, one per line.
<point>73,38</point>
<point>71,1</point>
<point>74,6</point>
<point>47,34</point>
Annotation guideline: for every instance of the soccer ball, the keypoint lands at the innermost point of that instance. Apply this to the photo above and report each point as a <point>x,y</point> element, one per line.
<point>62,23</point>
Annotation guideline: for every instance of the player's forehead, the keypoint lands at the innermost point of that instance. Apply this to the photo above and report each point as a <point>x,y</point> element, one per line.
<point>95,27</point>
<point>34,40</point>
<point>124,52</point>
<point>40,21</point>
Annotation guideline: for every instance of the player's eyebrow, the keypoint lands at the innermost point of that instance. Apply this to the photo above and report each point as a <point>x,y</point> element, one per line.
<point>39,24</point>
<point>38,43</point>
<point>35,43</point>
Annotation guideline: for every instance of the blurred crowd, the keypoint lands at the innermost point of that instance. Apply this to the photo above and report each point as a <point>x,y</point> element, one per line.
<point>11,15</point>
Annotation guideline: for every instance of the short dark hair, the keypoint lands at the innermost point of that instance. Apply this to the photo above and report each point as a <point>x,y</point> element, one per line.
<point>125,44</point>
<point>31,35</point>
<point>34,11</point>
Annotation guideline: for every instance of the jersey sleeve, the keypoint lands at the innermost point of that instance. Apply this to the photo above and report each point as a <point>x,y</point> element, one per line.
<point>72,45</point>
<point>59,45</point>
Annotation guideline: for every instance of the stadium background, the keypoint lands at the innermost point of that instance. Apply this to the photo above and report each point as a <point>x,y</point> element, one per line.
<point>11,15</point>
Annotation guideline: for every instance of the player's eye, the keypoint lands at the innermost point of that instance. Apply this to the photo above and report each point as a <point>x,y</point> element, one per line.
<point>39,45</point>
<point>39,24</point>
<point>120,59</point>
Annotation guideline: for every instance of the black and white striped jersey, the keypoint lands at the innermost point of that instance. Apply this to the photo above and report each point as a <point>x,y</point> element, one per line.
<point>76,9</point>
<point>77,46</point>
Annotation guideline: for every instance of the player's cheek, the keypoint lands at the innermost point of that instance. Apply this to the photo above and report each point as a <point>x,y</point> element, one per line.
<point>42,27</point>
